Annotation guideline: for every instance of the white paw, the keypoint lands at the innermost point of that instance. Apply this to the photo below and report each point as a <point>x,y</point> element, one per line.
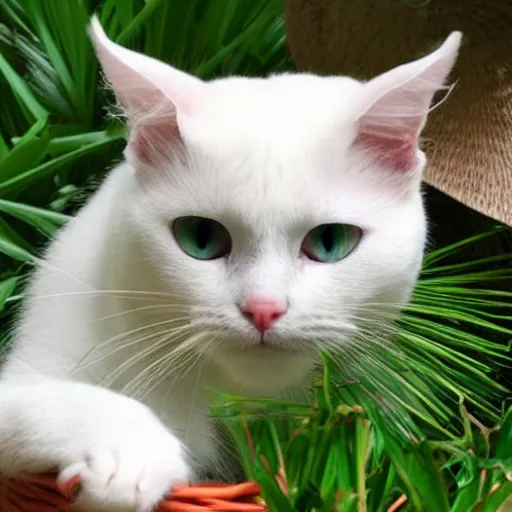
<point>132,473</point>
<point>124,456</point>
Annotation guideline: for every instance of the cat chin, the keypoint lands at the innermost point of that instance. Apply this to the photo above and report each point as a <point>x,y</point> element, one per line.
<point>266,369</point>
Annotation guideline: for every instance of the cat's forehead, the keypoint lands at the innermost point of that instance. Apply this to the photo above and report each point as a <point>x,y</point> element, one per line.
<point>280,109</point>
<point>272,134</point>
<point>275,190</point>
<point>279,93</point>
<point>274,151</point>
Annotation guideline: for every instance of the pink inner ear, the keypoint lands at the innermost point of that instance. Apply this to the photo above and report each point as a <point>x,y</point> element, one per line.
<point>152,142</point>
<point>155,133</point>
<point>393,146</point>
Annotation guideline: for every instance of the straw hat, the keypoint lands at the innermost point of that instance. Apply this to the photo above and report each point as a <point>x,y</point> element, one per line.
<point>469,138</point>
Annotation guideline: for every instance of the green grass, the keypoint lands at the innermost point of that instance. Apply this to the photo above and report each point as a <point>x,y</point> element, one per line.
<point>421,422</point>
<point>341,457</point>
<point>405,413</point>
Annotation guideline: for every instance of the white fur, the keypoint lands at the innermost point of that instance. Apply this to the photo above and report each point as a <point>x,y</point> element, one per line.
<point>116,303</point>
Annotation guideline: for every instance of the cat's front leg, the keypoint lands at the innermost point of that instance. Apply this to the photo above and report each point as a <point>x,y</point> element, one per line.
<point>126,458</point>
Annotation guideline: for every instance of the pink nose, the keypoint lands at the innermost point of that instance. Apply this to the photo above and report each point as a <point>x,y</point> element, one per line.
<point>262,313</point>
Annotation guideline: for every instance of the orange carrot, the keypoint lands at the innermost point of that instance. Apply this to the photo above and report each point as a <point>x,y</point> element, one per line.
<point>42,493</point>
<point>177,506</point>
<point>228,506</point>
<point>227,492</point>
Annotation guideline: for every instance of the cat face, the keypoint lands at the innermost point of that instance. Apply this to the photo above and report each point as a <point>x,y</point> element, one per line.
<point>284,214</point>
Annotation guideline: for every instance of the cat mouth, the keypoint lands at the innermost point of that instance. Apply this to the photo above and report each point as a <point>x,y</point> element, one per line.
<point>269,346</point>
<point>266,347</point>
<point>252,346</point>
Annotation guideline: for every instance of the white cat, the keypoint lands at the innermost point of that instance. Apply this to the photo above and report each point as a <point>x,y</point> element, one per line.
<point>254,222</point>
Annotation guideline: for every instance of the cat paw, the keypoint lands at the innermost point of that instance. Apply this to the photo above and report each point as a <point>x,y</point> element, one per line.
<point>131,475</point>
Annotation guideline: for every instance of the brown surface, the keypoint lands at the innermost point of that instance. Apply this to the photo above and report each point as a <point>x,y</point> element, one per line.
<point>469,138</point>
<point>41,493</point>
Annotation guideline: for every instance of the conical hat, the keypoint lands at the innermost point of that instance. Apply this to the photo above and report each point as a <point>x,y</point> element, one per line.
<point>468,138</point>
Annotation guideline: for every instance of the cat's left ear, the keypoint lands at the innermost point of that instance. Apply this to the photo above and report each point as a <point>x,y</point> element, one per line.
<point>394,106</point>
<point>153,95</point>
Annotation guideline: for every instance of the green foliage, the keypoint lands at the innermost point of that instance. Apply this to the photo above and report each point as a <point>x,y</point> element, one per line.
<point>55,140</point>
<point>392,430</point>
<point>334,456</point>
<point>391,422</point>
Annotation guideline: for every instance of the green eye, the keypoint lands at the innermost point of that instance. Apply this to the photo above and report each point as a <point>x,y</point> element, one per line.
<point>200,238</point>
<point>328,243</point>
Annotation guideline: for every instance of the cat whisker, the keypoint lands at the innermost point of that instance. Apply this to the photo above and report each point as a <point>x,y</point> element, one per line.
<point>120,294</point>
<point>166,307</point>
<point>166,340</point>
<point>378,326</point>
<point>347,352</point>
<point>47,265</point>
<point>125,345</point>
<point>371,314</point>
<point>395,305</point>
<point>143,328</point>
<point>332,323</point>
<point>120,336</point>
<point>178,358</point>
<point>381,343</point>
<point>172,362</point>
<point>209,323</point>
<point>312,330</point>
<point>372,317</point>
<point>378,330</point>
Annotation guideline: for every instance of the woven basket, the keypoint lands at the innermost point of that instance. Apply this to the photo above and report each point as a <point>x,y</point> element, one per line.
<point>469,138</point>
<point>40,493</point>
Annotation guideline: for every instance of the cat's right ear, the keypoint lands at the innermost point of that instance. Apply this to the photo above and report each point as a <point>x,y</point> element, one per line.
<point>153,95</point>
<point>393,107</point>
